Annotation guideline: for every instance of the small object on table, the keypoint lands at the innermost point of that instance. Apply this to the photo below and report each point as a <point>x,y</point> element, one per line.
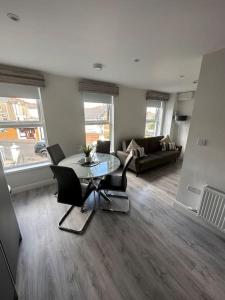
<point>91,163</point>
<point>87,151</point>
<point>107,164</point>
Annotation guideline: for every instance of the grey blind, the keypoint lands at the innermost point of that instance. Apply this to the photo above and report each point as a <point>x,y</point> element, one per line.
<point>97,98</point>
<point>99,87</point>
<point>156,95</point>
<point>19,91</point>
<point>11,74</point>
<point>154,103</point>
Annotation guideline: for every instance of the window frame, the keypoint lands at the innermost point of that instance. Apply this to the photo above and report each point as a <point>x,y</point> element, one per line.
<point>158,119</point>
<point>24,124</point>
<point>109,122</point>
<point>28,124</point>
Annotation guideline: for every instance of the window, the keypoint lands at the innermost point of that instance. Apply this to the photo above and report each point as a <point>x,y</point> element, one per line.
<point>154,115</point>
<point>98,113</point>
<point>22,134</point>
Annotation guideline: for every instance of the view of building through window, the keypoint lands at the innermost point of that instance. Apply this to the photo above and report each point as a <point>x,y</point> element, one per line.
<point>97,121</point>
<point>22,138</point>
<point>153,121</point>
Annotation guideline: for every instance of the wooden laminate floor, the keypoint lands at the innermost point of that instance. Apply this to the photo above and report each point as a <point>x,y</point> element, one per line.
<point>154,253</point>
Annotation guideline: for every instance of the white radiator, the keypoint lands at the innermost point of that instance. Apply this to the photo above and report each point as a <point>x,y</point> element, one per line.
<point>212,207</point>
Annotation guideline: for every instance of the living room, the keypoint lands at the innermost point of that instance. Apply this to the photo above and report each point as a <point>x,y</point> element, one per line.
<point>90,71</point>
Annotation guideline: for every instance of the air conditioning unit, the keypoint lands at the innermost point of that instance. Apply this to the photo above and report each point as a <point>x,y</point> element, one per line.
<point>186,96</point>
<point>181,118</point>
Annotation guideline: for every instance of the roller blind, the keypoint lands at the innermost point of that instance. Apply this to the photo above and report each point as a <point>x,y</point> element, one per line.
<point>97,98</point>
<point>156,95</point>
<point>99,87</point>
<point>17,75</point>
<point>19,91</point>
<point>154,103</point>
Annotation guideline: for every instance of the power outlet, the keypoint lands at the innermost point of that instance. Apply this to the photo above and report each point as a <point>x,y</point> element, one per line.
<point>193,190</point>
<point>202,141</point>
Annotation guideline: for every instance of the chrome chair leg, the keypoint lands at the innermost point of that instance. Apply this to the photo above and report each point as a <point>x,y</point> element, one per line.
<point>105,196</point>
<point>115,205</point>
<point>83,226</point>
<point>114,194</point>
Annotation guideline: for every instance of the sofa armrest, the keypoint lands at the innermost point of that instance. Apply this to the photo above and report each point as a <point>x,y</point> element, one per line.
<point>122,156</point>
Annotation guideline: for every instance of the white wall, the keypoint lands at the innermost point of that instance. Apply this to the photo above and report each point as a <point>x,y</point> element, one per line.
<point>63,111</point>
<point>130,114</point>
<point>64,118</point>
<point>29,178</point>
<point>177,131</point>
<point>206,164</point>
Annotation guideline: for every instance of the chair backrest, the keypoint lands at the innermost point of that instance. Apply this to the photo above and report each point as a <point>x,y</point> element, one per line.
<point>103,147</point>
<point>69,187</point>
<point>125,167</point>
<point>56,153</point>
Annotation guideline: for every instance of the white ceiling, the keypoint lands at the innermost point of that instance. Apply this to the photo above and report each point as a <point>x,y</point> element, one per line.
<point>67,36</point>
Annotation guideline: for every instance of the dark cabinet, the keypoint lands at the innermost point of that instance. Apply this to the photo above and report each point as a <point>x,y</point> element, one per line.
<point>9,240</point>
<point>7,285</point>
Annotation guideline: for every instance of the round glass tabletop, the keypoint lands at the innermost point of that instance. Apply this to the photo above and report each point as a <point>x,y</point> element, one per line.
<point>105,164</point>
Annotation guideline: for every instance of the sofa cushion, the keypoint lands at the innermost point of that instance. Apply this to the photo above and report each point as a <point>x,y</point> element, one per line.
<point>151,144</point>
<point>167,154</point>
<point>143,143</point>
<point>149,159</point>
<point>154,144</point>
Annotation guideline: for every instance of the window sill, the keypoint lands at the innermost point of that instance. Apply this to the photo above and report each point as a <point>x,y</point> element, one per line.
<point>25,168</point>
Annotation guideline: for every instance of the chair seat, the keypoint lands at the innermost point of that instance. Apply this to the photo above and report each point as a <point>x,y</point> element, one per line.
<point>111,182</point>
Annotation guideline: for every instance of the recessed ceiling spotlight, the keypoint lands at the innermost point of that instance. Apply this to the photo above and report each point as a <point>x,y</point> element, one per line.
<point>136,60</point>
<point>181,76</point>
<point>13,17</point>
<point>98,66</point>
<point>195,81</point>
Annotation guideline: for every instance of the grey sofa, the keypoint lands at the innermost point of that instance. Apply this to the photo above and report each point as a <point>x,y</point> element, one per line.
<point>154,154</point>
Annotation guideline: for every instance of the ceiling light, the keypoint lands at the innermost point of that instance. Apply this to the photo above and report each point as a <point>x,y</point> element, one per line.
<point>98,66</point>
<point>13,17</point>
<point>181,76</point>
<point>136,60</point>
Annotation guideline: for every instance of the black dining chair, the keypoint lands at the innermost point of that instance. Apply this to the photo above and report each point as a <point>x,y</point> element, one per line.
<point>56,153</point>
<point>116,183</point>
<point>103,147</point>
<point>72,192</point>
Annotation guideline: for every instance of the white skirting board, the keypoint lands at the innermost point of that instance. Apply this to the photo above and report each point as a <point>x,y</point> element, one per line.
<point>185,210</point>
<point>31,186</point>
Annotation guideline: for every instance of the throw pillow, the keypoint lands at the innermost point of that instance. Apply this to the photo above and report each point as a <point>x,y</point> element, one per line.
<point>140,152</point>
<point>132,146</point>
<point>164,146</point>
<point>168,146</point>
<point>172,146</point>
<point>166,140</point>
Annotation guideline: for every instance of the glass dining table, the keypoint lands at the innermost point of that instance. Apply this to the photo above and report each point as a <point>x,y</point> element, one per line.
<point>102,165</point>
